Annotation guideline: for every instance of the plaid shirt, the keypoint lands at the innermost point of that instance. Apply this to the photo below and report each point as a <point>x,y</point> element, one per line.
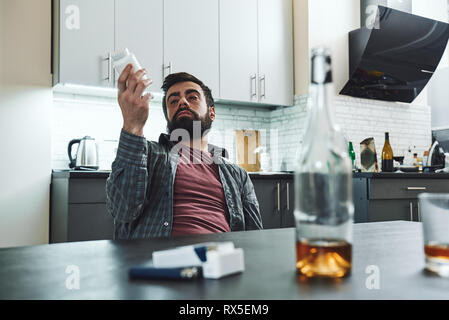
<point>139,190</point>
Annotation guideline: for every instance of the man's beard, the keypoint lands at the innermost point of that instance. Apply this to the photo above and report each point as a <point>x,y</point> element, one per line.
<point>187,123</point>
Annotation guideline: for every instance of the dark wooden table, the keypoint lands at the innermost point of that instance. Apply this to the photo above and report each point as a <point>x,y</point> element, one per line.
<point>395,248</point>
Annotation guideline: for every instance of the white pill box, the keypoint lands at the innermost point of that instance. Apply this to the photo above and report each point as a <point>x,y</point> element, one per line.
<point>217,259</point>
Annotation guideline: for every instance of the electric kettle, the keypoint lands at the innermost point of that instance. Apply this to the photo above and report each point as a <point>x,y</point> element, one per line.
<point>86,155</point>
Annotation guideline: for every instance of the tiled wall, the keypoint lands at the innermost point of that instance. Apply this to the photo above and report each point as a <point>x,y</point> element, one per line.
<point>75,116</point>
<point>409,125</point>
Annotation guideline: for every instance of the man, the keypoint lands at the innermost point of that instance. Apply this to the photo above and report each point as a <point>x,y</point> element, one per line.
<point>172,187</point>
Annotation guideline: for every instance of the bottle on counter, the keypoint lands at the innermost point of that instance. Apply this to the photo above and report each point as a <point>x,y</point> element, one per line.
<point>420,164</point>
<point>387,155</point>
<point>352,156</point>
<point>415,160</point>
<point>425,158</point>
<point>323,185</point>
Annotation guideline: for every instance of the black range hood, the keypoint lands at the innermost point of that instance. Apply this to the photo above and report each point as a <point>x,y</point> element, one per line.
<point>394,60</point>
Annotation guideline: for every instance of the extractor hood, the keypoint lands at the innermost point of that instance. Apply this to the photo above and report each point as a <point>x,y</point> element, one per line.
<point>395,59</point>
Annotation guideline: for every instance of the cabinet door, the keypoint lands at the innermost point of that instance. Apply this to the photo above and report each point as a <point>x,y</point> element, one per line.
<point>86,38</point>
<point>275,52</point>
<point>89,222</point>
<point>191,40</point>
<point>288,204</point>
<point>138,27</point>
<point>238,50</point>
<point>268,194</point>
<point>391,210</point>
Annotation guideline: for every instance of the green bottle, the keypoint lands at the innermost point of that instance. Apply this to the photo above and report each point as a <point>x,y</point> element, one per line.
<point>352,155</point>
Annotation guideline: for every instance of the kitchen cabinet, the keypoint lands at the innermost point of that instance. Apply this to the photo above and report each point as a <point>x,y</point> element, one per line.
<point>83,37</point>
<point>275,195</point>
<point>191,40</point>
<point>166,37</point>
<point>256,51</point>
<point>242,50</point>
<point>394,196</point>
<point>138,26</point>
<point>238,50</point>
<point>394,209</point>
<point>78,209</point>
<point>275,52</point>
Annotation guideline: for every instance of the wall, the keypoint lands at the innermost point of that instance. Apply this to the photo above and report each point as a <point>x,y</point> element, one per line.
<point>282,130</point>
<point>438,95</point>
<point>438,99</point>
<point>78,115</point>
<point>25,121</point>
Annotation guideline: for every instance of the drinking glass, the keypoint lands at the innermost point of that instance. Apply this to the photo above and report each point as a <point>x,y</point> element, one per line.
<point>434,209</point>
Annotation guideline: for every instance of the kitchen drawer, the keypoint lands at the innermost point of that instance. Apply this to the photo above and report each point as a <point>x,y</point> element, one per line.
<point>87,191</point>
<point>392,210</point>
<point>405,188</point>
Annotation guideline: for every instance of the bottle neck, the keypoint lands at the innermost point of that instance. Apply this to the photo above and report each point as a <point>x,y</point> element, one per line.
<point>322,111</point>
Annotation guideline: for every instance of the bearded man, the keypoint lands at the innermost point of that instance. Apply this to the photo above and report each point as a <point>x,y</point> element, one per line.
<point>180,185</point>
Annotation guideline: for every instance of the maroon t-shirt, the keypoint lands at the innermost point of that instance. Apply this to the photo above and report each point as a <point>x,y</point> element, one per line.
<point>199,204</point>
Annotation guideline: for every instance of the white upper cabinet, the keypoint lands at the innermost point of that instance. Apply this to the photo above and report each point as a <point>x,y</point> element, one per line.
<point>86,35</point>
<point>191,40</point>
<point>238,50</point>
<point>242,50</point>
<point>276,52</point>
<point>138,27</point>
<point>256,51</point>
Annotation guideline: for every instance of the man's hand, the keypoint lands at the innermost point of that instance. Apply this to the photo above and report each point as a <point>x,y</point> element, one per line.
<point>134,106</point>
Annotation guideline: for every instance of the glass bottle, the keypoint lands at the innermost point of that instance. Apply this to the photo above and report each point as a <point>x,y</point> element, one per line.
<point>323,185</point>
<point>387,155</point>
<point>352,156</point>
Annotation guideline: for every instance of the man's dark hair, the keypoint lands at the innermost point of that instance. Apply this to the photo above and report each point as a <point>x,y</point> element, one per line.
<point>175,78</point>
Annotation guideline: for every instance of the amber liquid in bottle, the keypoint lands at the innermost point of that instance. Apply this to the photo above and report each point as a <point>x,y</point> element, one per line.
<point>323,258</point>
<point>387,155</point>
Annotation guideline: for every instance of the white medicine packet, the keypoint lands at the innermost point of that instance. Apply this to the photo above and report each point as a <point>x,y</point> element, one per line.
<point>217,259</point>
<point>123,57</point>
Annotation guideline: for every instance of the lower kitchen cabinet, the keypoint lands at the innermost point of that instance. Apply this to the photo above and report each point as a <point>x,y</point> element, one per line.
<point>78,207</point>
<point>276,201</point>
<point>78,201</point>
<point>90,221</point>
<point>393,196</point>
<point>393,209</point>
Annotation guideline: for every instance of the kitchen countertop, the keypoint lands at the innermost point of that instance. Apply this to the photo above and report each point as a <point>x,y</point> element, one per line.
<point>390,252</point>
<point>400,175</point>
<point>263,175</point>
<point>105,173</point>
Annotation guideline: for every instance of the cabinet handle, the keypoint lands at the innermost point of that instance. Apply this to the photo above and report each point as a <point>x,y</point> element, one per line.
<point>253,86</point>
<point>288,195</point>
<point>411,211</point>
<point>169,67</point>
<point>419,213</point>
<point>110,71</point>
<point>262,79</point>
<point>279,197</point>
<point>416,188</point>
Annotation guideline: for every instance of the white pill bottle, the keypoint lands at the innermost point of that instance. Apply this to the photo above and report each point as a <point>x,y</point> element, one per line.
<point>123,57</point>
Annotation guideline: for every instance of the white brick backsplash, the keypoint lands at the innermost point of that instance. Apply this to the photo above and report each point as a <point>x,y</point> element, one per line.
<point>282,130</point>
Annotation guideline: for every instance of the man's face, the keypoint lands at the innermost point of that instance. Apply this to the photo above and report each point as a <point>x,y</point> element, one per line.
<point>186,103</point>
